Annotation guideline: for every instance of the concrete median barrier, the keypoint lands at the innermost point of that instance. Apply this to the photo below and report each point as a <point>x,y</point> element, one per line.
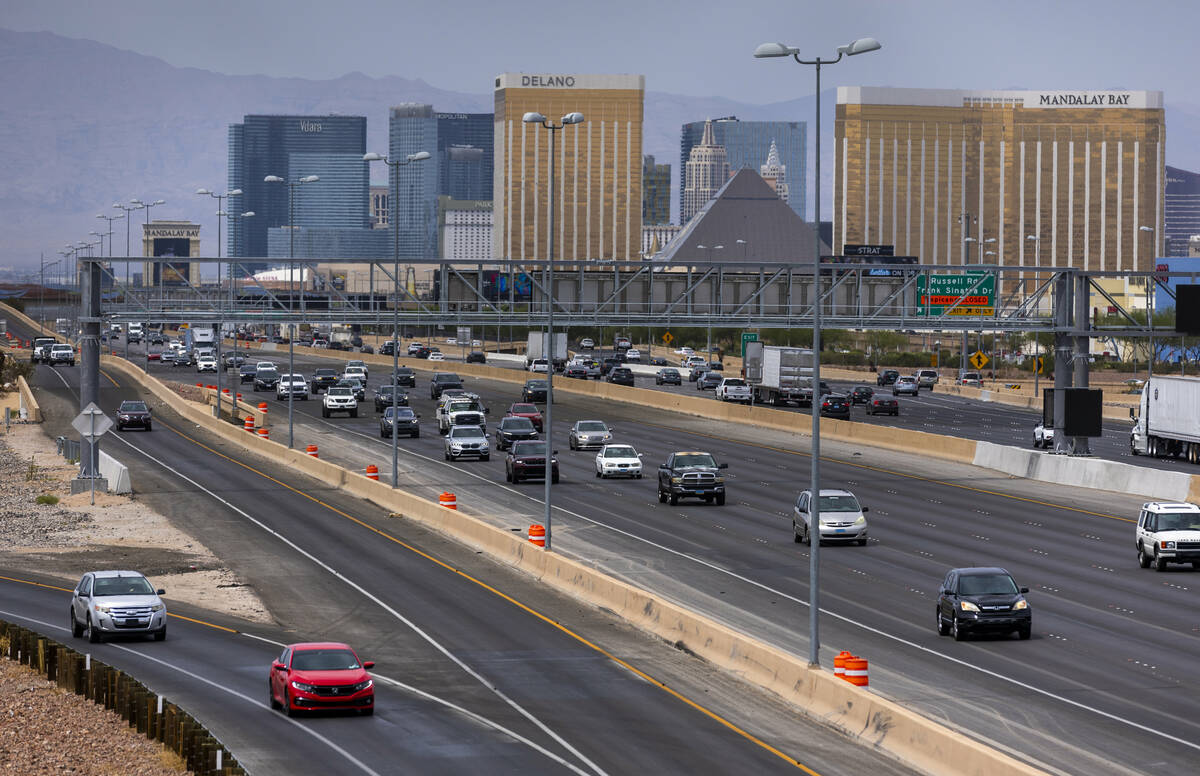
<point>116,473</point>
<point>9,311</point>
<point>27,402</point>
<point>1085,472</point>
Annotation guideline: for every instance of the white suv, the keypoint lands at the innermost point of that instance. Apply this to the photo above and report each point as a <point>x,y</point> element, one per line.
<point>339,398</point>
<point>293,383</point>
<point>842,517</point>
<point>108,602</point>
<point>1168,533</point>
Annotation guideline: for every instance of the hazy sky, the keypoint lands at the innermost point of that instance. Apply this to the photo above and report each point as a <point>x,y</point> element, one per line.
<point>701,47</point>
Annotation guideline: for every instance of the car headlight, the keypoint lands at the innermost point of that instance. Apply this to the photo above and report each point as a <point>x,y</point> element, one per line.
<point>676,480</point>
<point>1021,604</point>
<point>103,609</point>
<point>302,687</point>
<point>967,606</point>
<point>1166,545</point>
<point>157,607</point>
<point>362,685</point>
<point>861,520</point>
<point>720,481</point>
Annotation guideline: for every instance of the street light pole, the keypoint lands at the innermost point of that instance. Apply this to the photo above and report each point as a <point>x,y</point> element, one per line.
<point>538,118</point>
<point>860,46</point>
<point>395,166</point>
<point>142,205</point>
<point>1150,283</point>
<point>220,317</point>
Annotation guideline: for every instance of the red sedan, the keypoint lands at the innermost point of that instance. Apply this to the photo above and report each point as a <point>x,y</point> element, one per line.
<point>527,411</point>
<point>321,675</point>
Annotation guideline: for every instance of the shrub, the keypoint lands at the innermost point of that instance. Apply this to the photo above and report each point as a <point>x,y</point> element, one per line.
<point>47,498</point>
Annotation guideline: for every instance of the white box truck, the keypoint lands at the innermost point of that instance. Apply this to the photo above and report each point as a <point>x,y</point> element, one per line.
<point>786,376</point>
<point>1167,422</point>
<point>536,348</point>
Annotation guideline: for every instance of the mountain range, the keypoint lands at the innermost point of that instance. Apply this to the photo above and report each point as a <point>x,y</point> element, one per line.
<point>84,124</point>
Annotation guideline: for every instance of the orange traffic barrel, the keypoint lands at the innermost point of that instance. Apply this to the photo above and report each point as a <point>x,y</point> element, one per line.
<point>225,391</point>
<point>249,426</point>
<point>372,472</point>
<point>262,407</point>
<point>856,671</point>
<point>537,535</point>
<point>239,397</point>
<point>312,450</point>
<point>448,500</point>
<point>263,433</point>
<point>839,664</point>
<point>199,385</point>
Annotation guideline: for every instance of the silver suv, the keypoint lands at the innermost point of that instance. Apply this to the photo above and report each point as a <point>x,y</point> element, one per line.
<point>109,602</point>
<point>841,519</point>
<point>467,440</point>
<point>1168,533</point>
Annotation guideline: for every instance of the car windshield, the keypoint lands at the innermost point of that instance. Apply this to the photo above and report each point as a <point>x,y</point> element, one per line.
<point>619,452</point>
<point>1179,521</point>
<point>524,409</point>
<point>122,586</point>
<point>404,412</point>
<point>340,391</point>
<point>325,372</point>
<point>385,390</point>
<point>694,459</point>
<point>537,385</point>
<point>266,372</point>
<point>842,503</point>
<point>516,424</point>
<point>324,660</point>
<point>469,432</point>
<point>529,448</point>
<point>591,425</point>
<point>133,406</point>
<point>447,378</point>
<point>349,382</point>
<point>986,584</point>
<point>668,371</point>
<point>461,406</point>
<point>404,371</point>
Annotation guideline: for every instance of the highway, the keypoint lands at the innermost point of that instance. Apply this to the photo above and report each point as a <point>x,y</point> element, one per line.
<point>1106,678</point>
<point>432,615</point>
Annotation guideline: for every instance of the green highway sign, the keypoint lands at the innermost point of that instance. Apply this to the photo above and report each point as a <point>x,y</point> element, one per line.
<point>748,336</point>
<point>974,294</point>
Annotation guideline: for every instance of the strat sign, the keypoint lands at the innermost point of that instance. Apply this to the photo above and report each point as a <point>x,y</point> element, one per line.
<point>1084,100</point>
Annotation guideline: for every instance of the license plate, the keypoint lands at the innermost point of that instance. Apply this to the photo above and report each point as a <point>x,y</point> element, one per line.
<point>839,530</point>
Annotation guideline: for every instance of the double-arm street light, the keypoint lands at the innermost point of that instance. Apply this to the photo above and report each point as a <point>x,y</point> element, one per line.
<point>220,198</point>
<point>860,46</point>
<point>395,164</point>
<point>538,118</point>
<point>1150,287</point>
<point>143,205</point>
<point>292,186</point>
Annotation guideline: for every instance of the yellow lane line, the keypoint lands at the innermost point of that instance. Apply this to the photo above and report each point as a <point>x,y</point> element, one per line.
<point>529,610</point>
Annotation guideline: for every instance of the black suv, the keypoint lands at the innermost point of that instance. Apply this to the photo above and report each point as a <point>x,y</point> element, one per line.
<point>405,376</point>
<point>477,357</point>
<point>514,429</point>
<point>887,377</point>
<point>691,475</point>
<point>246,372</point>
<point>266,379</point>
<point>534,390</point>
<point>835,405</point>
<point>441,381</point>
<point>621,375</point>
<point>982,600</point>
<point>323,379</point>
<point>383,398</point>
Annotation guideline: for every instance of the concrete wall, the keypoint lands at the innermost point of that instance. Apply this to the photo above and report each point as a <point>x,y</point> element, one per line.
<point>116,473</point>
<point>28,404</point>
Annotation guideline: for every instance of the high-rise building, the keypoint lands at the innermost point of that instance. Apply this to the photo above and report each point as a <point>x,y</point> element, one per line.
<point>465,229</point>
<point>656,192</point>
<point>704,174</point>
<point>379,207</point>
<point>598,168</point>
<point>460,167</point>
<point>747,144</point>
<point>774,173</point>
<point>1080,172</point>
<point>1183,210</point>
<point>289,146</point>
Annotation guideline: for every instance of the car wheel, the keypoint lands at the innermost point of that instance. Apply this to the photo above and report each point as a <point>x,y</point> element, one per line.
<point>93,634</point>
<point>673,499</point>
<point>447,454</point>
<point>161,634</point>
<point>324,412</point>
<point>149,426</point>
<point>383,434</point>
<point>662,497</point>
<point>275,704</point>
<point>485,457</point>
<point>942,630</point>
<point>1024,633</point>
<point>354,413</point>
<point>599,475</point>
<point>1160,563</point>
<point>1143,558</point>
<point>796,533</point>
<point>507,475</point>
<point>639,475</point>
<point>862,542</point>
<point>807,538</point>
<point>76,628</point>
<point>720,499</point>
<point>571,444</point>
<point>554,479</point>
<point>958,633</point>
<point>287,704</point>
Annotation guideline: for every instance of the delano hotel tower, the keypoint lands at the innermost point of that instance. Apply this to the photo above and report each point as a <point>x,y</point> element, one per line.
<point>598,169</point>
<point>924,169</point>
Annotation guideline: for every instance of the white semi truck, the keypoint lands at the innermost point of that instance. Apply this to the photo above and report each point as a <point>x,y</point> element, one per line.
<point>536,348</point>
<point>1167,421</point>
<point>785,376</point>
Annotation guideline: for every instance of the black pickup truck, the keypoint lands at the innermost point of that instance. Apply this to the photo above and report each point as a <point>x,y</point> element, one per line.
<point>323,379</point>
<point>691,475</point>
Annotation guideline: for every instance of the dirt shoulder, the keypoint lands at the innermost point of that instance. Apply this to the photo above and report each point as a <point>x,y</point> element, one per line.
<point>67,538</point>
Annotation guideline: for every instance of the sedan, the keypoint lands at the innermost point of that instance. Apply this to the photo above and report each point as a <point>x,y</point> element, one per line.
<point>576,371</point>
<point>321,675</point>
<point>406,423</point>
<point>835,405</point>
<point>383,398</point>
<point>514,429</point>
<point>879,405</point>
<point>621,375</point>
<point>462,441</point>
<point>133,414</point>
<point>709,381</point>
<point>618,461</point>
<point>861,394</point>
<point>668,376</point>
<point>529,411</point>
<point>527,460</point>
<point>589,433</point>
<point>982,600</point>
<point>587,343</point>
<point>907,385</point>
<point>534,390</point>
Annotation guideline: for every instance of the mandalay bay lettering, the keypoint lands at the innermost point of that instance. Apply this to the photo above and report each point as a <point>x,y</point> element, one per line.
<point>1083,99</point>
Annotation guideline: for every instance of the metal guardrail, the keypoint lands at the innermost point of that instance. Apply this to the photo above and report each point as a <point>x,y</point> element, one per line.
<point>68,448</point>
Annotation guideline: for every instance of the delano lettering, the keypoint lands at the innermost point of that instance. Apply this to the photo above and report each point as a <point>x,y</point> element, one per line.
<point>560,81</point>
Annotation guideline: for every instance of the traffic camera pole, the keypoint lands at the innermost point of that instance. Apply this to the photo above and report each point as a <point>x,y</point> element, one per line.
<point>89,359</point>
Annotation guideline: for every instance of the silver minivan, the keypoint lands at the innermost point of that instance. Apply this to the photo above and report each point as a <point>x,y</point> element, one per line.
<point>842,517</point>
<point>110,602</point>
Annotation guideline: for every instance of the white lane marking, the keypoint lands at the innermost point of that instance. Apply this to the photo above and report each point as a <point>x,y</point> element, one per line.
<point>387,608</point>
<point>452,706</point>
<point>242,696</point>
<point>844,618</point>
